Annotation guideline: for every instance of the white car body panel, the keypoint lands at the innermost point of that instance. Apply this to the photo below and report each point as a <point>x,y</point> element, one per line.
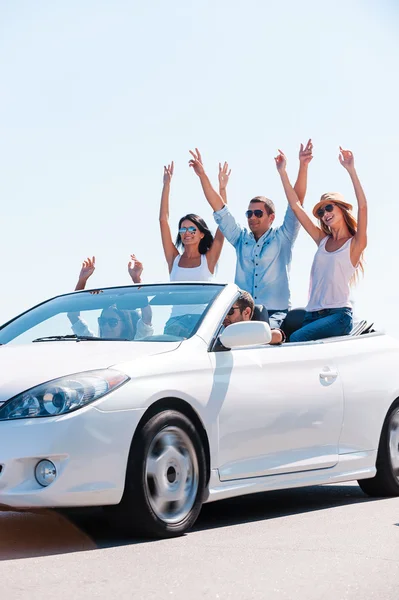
<point>275,417</point>
<point>45,361</point>
<point>88,447</point>
<point>277,414</point>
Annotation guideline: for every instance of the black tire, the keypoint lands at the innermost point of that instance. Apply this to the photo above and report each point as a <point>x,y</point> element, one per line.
<point>386,481</point>
<point>182,472</point>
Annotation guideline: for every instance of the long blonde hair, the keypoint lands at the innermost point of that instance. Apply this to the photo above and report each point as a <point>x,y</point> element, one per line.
<point>351,224</point>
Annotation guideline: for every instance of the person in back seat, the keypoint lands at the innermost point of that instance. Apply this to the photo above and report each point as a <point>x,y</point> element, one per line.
<point>113,322</point>
<point>341,241</point>
<point>242,310</point>
<point>263,251</point>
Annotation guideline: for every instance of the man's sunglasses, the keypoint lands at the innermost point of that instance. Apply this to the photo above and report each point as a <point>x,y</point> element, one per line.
<point>111,322</point>
<point>328,207</point>
<point>190,229</point>
<point>232,309</point>
<point>258,213</point>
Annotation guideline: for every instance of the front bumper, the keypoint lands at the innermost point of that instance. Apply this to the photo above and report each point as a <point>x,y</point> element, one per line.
<point>89,448</point>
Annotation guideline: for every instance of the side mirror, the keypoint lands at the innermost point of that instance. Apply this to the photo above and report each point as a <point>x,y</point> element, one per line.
<point>246,333</point>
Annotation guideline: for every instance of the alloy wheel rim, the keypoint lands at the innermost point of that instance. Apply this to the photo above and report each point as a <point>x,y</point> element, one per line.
<point>394,443</point>
<point>171,475</point>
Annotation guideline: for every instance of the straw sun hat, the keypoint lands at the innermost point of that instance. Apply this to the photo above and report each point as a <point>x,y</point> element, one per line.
<point>334,197</point>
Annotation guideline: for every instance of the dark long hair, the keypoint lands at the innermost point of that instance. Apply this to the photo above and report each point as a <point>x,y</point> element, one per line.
<point>129,320</point>
<point>206,241</point>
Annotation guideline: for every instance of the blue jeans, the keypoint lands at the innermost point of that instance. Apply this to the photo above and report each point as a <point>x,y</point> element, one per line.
<point>276,317</point>
<point>324,324</point>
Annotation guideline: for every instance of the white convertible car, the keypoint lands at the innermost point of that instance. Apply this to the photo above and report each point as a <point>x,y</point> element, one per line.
<point>188,412</point>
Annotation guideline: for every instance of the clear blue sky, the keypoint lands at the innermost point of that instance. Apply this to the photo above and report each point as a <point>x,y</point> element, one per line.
<point>96,96</point>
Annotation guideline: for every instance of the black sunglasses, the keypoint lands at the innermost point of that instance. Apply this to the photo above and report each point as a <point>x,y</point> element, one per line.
<point>112,322</point>
<point>320,212</point>
<point>258,213</point>
<point>232,309</point>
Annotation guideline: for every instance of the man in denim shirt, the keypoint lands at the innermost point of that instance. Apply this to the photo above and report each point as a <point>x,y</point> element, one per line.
<point>264,252</point>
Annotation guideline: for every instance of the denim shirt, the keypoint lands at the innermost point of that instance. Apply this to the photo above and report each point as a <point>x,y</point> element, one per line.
<point>263,266</point>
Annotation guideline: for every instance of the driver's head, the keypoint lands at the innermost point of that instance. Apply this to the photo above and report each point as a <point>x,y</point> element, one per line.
<point>241,310</point>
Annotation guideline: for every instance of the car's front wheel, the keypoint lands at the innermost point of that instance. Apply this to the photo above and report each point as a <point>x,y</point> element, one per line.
<point>165,478</point>
<point>386,480</point>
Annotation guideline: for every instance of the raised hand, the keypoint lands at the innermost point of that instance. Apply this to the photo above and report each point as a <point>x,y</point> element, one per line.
<point>305,153</point>
<point>88,268</point>
<point>196,162</point>
<point>346,159</point>
<point>224,175</point>
<point>281,161</point>
<point>168,173</point>
<point>135,268</point>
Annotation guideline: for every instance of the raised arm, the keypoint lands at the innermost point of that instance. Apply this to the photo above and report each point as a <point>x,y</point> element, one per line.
<point>169,248</point>
<point>135,269</point>
<point>224,176</point>
<point>87,270</point>
<point>294,202</point>
<point>213,254</point>
<point>305,156</point>
<point>215,200</point>
<point>359,244</point>
<point>227,224</point>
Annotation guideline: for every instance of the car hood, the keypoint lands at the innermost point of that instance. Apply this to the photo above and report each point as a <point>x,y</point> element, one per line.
<point>23,367</point>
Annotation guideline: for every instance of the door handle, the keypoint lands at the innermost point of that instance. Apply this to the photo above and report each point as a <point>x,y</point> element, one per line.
<point>327,373</point>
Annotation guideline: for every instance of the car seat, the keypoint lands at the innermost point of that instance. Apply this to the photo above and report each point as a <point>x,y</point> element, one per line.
<point>260,313</point>
<point>293,321</point>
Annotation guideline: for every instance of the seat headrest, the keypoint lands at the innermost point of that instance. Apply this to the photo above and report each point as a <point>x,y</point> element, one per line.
<point>260,313</point>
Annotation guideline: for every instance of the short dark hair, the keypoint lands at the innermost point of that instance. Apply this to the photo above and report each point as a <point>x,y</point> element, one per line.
<point>268,204</point>
<point>206,242</point>
<point>244,301</point>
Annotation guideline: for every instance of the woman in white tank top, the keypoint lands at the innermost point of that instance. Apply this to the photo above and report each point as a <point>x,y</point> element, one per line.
<point>341,241</point>
<point>201,251</point>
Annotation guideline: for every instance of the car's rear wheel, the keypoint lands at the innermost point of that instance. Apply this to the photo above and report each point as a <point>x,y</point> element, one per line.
<point>165,478</point>
<point>386,480</point>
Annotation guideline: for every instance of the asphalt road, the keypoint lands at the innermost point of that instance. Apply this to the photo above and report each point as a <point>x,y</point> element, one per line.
<point>318,543</point>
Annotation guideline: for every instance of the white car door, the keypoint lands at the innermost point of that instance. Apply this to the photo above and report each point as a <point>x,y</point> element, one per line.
<point>280,409</point>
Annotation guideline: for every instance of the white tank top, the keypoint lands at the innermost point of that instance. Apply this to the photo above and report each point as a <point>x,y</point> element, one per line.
<point>200,273</point>
<point>329,278</point>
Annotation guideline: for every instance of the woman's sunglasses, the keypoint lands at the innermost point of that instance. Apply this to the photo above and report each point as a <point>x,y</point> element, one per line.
<point>258,213</point>
<point>190,229</point>
<point>111,322</point>
<point>327,208</point>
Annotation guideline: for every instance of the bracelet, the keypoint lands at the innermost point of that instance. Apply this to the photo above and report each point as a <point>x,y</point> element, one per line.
<point>282,334</point>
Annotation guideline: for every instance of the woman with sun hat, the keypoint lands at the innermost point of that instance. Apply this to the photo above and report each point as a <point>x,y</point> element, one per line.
<point>341,240</point>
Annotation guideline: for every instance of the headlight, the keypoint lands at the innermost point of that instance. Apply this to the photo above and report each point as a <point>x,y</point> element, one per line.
<point>62,395</point>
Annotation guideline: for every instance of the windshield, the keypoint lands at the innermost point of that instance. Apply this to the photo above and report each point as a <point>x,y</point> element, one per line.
<point>165,312</point>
